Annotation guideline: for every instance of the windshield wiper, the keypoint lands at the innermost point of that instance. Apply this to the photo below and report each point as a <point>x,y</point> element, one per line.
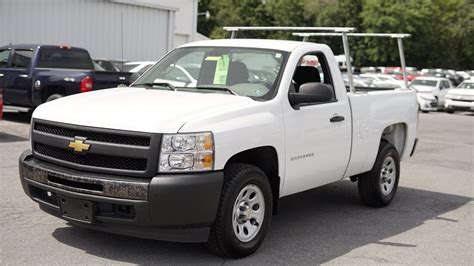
<point>159,84</point>
<point>217,88</point>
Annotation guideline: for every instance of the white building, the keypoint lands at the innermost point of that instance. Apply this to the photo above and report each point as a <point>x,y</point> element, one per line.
<point>114,29</point>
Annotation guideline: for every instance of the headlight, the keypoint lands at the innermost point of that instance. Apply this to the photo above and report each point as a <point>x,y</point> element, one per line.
<point>187,152</point>
<point>426,98</point>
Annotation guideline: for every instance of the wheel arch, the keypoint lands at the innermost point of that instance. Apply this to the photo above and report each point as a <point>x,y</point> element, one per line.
<point>265,158</point>
<point>52,89</point>
<point>395,134</point>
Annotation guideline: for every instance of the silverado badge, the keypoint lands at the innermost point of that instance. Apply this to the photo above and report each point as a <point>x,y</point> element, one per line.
<point>78,145</point>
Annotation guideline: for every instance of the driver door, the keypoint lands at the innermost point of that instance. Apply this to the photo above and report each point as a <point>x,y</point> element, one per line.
<point>318,135</point>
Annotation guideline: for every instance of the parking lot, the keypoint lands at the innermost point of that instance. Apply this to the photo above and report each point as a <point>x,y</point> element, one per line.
<point>430,220</point>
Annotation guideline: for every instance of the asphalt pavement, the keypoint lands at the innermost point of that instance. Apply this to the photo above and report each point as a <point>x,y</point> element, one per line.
<point>429,222</point>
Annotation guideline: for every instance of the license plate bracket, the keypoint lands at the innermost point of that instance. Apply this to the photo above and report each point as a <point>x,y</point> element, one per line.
<point>76,209</point>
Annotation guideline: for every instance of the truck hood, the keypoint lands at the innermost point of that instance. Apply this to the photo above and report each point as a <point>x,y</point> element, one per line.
<point>139,109</point>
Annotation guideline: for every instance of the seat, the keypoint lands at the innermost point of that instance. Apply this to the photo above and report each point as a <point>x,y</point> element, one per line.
<point>238,73</point>
<point>305,74</point>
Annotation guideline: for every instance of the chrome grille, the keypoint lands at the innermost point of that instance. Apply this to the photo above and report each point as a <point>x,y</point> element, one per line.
<point>97,160</point>
<point>95,136</point>
<point>111,151</point>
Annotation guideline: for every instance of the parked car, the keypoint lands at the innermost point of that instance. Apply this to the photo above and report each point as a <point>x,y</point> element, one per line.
<point>107,65</point>
<point>426,101</point>
<point>208,162</point>
<point>433,85</point>
<point>384,80</point>
<point>138,67</point>
<point>464,74</point>
<point>397,72</point>
<point>460,98</point>
<point>454,78</point>
<point>34,74</point>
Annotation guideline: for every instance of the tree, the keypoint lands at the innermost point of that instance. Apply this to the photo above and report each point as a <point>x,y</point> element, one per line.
<point>442,30</point>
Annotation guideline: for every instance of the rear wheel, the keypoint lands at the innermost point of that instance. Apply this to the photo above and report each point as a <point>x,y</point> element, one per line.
<point>378,187</point>
<point>54,97</point>
<point>450,110</point>
<point>244,212</point>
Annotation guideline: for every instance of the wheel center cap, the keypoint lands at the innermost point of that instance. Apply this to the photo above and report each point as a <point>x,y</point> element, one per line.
<point>244,213</point>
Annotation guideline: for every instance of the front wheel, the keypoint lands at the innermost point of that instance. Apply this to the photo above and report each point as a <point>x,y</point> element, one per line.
<point>244,213</point>
<point>377,187</point>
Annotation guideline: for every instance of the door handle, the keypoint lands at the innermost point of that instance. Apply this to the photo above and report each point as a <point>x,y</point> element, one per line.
<point>1,75</point>
<point>23,76</point>
<point>337,118</point>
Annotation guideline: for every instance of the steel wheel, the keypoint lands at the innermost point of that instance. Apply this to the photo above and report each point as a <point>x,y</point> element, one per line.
<point>248,213</point>
<point>387,176</point>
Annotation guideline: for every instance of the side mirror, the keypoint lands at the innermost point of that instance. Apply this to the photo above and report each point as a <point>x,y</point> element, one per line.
<point>312,92</point>
<point>134,77</point>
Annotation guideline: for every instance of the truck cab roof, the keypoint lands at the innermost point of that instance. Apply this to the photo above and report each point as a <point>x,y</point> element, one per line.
<point>34,46</point>
<point>282,45</point>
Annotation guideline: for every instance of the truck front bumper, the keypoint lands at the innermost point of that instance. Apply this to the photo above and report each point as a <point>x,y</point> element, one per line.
<point>180,207</point>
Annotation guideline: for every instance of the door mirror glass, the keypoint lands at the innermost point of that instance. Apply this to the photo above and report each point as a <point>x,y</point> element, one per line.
<point>312,93</point>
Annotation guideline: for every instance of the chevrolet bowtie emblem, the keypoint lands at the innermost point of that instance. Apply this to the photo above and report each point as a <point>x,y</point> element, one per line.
<point>78,145</point>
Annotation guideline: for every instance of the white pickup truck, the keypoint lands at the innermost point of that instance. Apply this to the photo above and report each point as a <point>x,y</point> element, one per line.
<point>209,161</point>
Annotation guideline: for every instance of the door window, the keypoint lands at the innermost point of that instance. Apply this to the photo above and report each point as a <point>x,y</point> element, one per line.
<point>22,58</point>
<point>446,84</point>
<point>4,54</point>
<point>312,68</point>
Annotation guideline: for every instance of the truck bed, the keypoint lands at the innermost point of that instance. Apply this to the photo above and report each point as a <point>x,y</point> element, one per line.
<point>372,112</point>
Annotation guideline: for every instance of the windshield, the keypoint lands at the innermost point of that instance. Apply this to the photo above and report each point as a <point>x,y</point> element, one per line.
<point>466,85</point>
<point>244,71</point>
<point>425,82</point>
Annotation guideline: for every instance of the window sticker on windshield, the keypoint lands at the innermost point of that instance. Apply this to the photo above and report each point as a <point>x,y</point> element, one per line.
<point>278,55</point>
<point>222,68</point>
<point>212,58</point>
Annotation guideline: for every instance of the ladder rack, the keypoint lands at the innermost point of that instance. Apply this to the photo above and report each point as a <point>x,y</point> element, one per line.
<point>343,32</point>
<point>236,29</point>
<point>345,42</point>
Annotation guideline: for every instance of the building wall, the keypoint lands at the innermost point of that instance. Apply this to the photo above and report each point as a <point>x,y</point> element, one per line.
<point>92,24</point>
<point>185,20</point>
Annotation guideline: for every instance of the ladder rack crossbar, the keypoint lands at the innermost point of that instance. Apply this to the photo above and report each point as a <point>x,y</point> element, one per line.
<point>390,35</point>
<point>245,28</point>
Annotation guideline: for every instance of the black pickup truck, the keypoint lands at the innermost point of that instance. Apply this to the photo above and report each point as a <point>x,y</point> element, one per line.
<point>33,74</point>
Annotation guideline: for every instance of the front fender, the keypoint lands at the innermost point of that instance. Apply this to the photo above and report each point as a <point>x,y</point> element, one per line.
<point>241,129</point>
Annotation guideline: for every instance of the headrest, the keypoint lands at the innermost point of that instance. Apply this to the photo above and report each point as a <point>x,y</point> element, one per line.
<point>305,74</point>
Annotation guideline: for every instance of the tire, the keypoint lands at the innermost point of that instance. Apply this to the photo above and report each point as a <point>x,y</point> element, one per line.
<point>450,111</point>
<point>54,97</point>
<point>425,112</point>
<point>224,239</point>
<point>372,190</point>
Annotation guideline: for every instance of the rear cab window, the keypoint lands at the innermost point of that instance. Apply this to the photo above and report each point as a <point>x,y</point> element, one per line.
<point>69,58</point>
